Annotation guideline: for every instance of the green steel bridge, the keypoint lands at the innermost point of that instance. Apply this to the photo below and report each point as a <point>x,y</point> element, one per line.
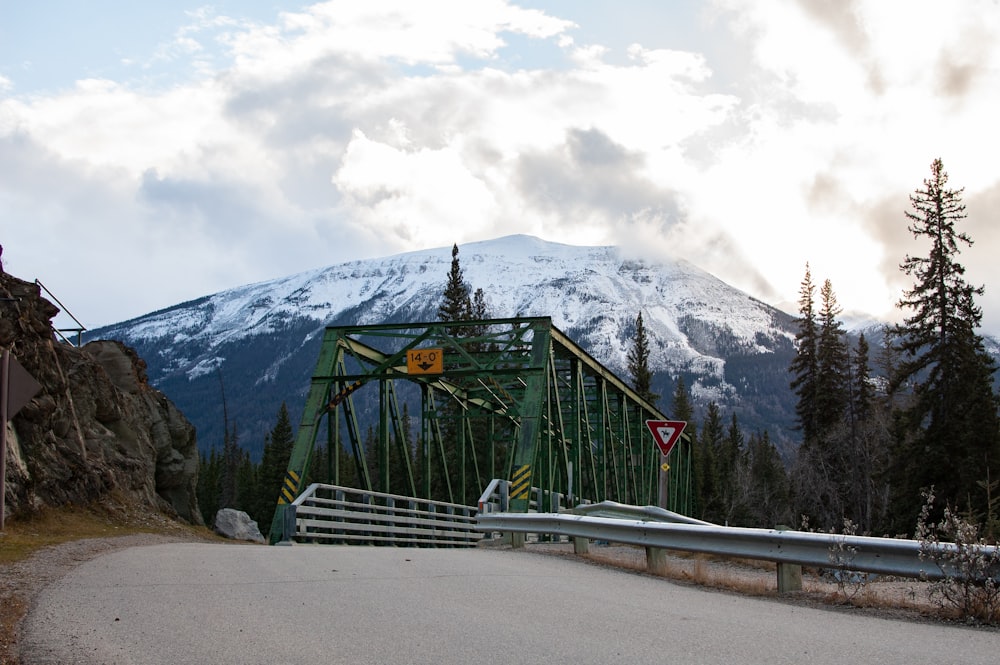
<point>498,398</point>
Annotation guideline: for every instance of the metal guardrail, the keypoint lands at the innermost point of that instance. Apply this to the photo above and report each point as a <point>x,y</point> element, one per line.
<point>496,497</point>
<point>886,556</point>
<point>657,528</point>
<point>621,511</point>
<point>334,515</point>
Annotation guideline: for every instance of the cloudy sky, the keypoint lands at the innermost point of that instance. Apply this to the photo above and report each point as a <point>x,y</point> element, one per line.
<point>153,152</point>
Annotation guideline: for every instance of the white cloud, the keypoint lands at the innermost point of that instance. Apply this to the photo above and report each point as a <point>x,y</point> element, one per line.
<point>436,32</point>
<point>422,197</point>
<point>355,129</point>
<point>853,100</point>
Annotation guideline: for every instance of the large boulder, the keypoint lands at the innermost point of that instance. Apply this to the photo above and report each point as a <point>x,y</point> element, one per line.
<point>97,431</point>
<point>237,525</point>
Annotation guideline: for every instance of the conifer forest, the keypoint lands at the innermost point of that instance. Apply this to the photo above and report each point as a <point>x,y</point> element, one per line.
<point>881,421</point>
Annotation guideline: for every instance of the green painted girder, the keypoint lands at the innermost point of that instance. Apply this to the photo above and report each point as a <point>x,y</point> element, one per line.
<point>517,389</point>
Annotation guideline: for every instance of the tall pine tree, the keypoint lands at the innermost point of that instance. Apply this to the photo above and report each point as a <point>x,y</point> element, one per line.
<point>832,365</point>
<point>951,425</point>
<point>456,303</point>
<point>733,509</point>
<point>682,409</point>
<point>805,365</point>
<point>274,464</point>
<point>464,447</point>
<point>707,455</point>
<point>638,363</point>
<point>822,473</point>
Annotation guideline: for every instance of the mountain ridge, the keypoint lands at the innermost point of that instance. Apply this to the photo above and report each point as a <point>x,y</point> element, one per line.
<point>257,343</point>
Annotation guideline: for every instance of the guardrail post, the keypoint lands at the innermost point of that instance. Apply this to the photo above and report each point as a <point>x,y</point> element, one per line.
<point>504,507</point>
<point>339,497</point>
<point>554,501</point>
<point>656,560</point>
<point>288,525</point>
<point>540,508</point>
<point>412,505</point>
<point>470,535</point>
<point>581,545</point>
<point>450,512</point>
<point>789,574</point>
<point>390,509</point>
<point>366,499</point>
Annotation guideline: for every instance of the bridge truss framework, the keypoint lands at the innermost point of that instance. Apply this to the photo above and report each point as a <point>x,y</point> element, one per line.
<point>498,398</point>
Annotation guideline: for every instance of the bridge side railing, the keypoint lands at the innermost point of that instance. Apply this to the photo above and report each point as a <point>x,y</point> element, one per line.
<point>496,499</point>
<point>343,515</point>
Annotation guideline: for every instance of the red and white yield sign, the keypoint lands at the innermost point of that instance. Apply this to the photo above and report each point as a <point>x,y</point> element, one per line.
<point>666,433</point>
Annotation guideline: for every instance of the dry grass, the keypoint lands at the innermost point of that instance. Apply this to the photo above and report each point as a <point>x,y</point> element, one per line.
<point>744,576</point>
<point>899,598</point>
<point>51,526</point>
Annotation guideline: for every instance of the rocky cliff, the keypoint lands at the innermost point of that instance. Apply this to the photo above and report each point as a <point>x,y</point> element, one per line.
<point>96,431</point>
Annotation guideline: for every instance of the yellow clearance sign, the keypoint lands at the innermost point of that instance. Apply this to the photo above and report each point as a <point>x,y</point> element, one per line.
<point>425,361</point>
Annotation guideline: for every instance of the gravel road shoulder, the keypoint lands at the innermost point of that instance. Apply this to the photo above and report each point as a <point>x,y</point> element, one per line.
<point>21,581</point>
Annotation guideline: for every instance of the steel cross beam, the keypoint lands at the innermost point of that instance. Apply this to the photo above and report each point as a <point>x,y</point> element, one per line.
<point>512,398</point>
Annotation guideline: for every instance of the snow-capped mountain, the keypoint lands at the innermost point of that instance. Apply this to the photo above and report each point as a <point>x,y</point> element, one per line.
<point>259,342</point>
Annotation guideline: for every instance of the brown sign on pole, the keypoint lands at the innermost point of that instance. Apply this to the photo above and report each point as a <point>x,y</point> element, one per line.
<point>21,387</point>
<point>17,387</point>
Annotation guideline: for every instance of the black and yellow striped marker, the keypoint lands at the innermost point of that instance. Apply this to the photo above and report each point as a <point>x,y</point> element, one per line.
<point>290,487</point>
<point>521,482</point>
<point>342,395</point>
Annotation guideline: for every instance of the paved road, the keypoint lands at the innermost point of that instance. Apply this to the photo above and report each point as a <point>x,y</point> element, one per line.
<point>220,604</point>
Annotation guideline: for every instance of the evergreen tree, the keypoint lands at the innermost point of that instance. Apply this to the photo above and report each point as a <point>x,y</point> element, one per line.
<point>951,423</point>
<point>867,445</point>
<point>638,363</point>
<point>707,454</point>
<point>248,492</point>
<point>208,485</point>
<point>805,365</point>
<point>232,457</point>
<point>681,405</point>
<point>767,493</point>
<point>480,310</point>
<point>681,409</point>
<point>730,483</point>
<point>274,465</point>
<point>832,365</point>
<point>822,473</point>
<point>861,392</point>
<point>464,446</point>
<point>456,304</point>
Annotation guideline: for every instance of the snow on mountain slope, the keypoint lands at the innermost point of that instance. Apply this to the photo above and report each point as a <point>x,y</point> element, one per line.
<point>592,293</point>
<point>261,339</point>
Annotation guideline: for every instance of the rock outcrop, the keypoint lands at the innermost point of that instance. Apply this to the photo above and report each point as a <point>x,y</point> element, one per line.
<point>236,525</point>
<point>97,430</point>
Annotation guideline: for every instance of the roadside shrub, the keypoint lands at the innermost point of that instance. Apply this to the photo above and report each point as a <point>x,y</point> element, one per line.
<point>850,583</point>
<point>970,567</point>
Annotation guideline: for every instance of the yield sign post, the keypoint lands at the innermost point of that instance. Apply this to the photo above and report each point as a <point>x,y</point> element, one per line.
<point>665,433</point>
